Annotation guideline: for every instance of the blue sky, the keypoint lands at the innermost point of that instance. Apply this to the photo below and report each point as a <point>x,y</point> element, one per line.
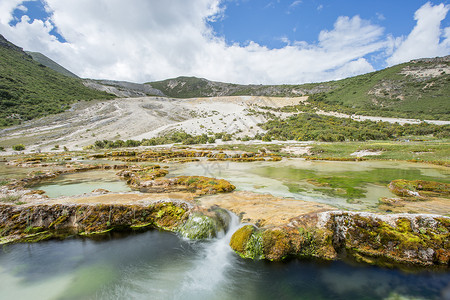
<point>242,41</point>
<point>268,22</point>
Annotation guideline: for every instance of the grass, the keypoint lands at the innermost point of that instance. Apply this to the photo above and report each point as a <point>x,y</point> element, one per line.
<point>9,198</point>
<point>342,183</point>
<point>387,92</point>
<point>422,151</point>
<point>308,126</point>
<point>30,90</point>
<point>390,93</point>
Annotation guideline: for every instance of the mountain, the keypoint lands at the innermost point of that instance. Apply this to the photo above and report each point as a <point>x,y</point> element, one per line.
<point>417,89</point>
<point>42,59</point>
<point>123,89</point>
<point>191,87</point>
<point>29,89</point>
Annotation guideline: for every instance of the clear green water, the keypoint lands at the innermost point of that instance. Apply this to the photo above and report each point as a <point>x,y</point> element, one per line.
<point>349,185</point>
<point>83,182</point>
<point>159,265</point>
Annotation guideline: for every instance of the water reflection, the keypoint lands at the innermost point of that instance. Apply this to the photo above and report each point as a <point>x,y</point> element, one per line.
<point>84,182</point>
<point>348,185</point>
<point>159,265</point>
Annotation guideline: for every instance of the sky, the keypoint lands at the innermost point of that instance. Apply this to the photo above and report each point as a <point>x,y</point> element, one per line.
<point>238,41</point>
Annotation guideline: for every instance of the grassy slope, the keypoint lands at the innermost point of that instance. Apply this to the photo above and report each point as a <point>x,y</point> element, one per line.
<point>42,59</point>
<point>30,90</point>
<point>193,87</point>
<point>397,95</point>
<point>423,98</point>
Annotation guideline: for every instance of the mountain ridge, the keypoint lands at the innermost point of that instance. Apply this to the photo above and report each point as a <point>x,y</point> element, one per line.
<point>30,90</point>
<point>416,89</point>
<point>48,62</point>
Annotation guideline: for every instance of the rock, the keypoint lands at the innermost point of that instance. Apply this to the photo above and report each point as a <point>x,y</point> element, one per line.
<point>419,189</point>
<point>22,223</point>
<point>100,191</point>
<point>422,240</point>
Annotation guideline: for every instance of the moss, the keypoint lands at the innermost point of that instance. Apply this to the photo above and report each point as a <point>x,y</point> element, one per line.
<point>141,226</point>
<point>200,226</point>
<point>419,188</point>
<point>95,232</point>
<point>404,225</point>
<point>58,221</point>
<point>205,185</point>
<point>169,216</point>
<point>276,244</point>
<point>63,220</point>
<point>254,247</point>
<point>382,243</point>
<point>240,238</point>
<point>247,241</point>
<point>36,237</point>
<point>32,229</point>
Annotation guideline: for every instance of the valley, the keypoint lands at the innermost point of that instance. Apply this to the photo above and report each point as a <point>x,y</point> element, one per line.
<point>349,176</point>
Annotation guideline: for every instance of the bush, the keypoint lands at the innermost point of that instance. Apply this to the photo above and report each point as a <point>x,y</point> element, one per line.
<point>18,147</point>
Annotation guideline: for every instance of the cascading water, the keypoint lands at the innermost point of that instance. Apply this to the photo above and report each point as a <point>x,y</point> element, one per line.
<point>208,275</point>
<point>160,265</point>
<point>202,271</point>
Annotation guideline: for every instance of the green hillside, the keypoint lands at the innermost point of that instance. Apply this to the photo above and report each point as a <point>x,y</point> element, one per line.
<point>417,89</point>
<point>191,87</point>
<point>30,90</point>
<point>406,90</point>
<point>42,59</point>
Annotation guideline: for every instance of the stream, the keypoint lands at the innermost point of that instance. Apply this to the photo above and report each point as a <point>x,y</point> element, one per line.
<point>160,265</point>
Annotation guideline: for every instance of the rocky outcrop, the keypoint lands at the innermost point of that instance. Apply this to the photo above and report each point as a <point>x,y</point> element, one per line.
<point>123,89</point>
<point>40,222</point>
<point>5,43</point>
<point>419,189</point>
<point>39,176</point>
<point>199,185</point>
<point>422,240</point>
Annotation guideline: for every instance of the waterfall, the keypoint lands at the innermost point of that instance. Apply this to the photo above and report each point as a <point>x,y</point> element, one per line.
<point>203,269</point>
<point>209,273</point>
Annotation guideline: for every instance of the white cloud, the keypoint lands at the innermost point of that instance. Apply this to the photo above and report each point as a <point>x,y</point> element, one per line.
<point>295,3</point>
<point>6,9</point>
<point>425,39</point>
<point>153,40</point>
<point>22,8</point>
<point>380,16</point>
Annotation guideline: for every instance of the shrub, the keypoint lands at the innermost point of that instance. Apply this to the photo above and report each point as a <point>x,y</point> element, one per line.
<point>19,147</point>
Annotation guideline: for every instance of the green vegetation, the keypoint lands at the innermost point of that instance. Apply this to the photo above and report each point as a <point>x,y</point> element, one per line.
<point>390,92</point>
<point>192,87</point>
<point>437,151</point>
<point>42,59</point>
<point>176,137</point>
<point>199,227</point>
<point>9,198</point>
<point>308,127</point>
<point>419,188</point>
<point>19,147</point>
<point>30,90</point>
<point>301,127</point>
<point>343,184</point>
